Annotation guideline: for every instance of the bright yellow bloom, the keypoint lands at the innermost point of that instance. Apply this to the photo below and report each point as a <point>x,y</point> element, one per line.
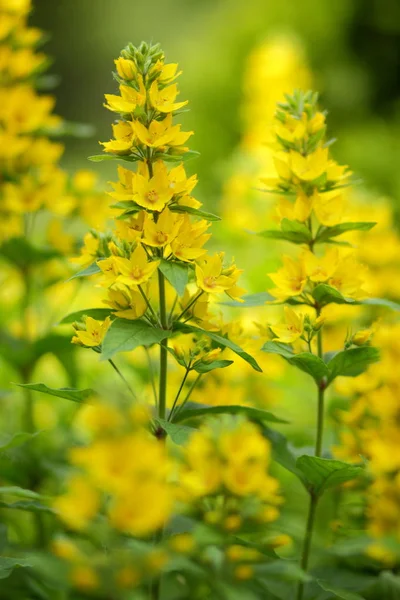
<point>94,333</point>
<point>210,277</point>
<point>310,167</point>
<point>88,252</point>
<point>153,192</point>
<point>362,337</point>
<point>290,331</point>
<point>179,183</point>
<point>298,210</point>
<point>126,68</point>
<point>189,242</point>
<point>161,133</point>
<point>127,304</point>
<point>127,102</point>
<point>164,100</point>
<point>290,279</point>
<point>123,133</point>
<point>320,269</point>
<point>159,234</point>
<point>109,267</point>
<point>349,278</point>
<point>137,269</point>
<point>130,229</point>
<point>328,207</point>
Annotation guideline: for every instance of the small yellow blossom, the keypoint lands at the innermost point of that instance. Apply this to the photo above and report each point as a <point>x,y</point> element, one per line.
<point>94,333</point>
<point>292,330</point>
<point>137,269</point>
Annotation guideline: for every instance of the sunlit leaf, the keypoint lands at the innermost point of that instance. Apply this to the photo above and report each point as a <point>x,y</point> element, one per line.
<point>324,473</point>
<point>124,336</point>
<point>67,393</point>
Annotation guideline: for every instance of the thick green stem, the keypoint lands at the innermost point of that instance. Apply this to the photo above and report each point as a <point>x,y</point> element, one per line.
<point>162,392</point>
<point>307,542</point>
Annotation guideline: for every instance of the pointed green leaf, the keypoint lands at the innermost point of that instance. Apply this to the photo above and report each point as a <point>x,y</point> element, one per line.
<point>352,362</point>
<point>13,490</point>
<point>220,341</point>
<point>15,440</point>
<point>329,232</point>
<point>124,336</point>
<point>26,505</point>
<point>8,564</point>
<point>251,300</point>
<point>326,294</point>
<point>90,270</point>
<point>179,434</point>
<point>102,157</point>
<point>324,473</point>
<point>202,367</point>
<point>100,314</point>
<point>180,208</point>
<point>67,393</point>
<point>282,452</point>
<point>193,410</point>
<point>339,593</point>
<point>291,231</point>
<point>176,273</point>
<point>305,361</point>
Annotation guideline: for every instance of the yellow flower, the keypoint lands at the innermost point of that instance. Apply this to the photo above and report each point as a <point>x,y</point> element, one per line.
<point>290,279</point>
<point>292,330</point>
<point>137,269</point>
<point>328,207</point>
<point>209,275</point>
<point>109,267</point>
<point>79,504</point>
<point>310,167</point>
<point>127,304</point>
<point>349,278</point>
<point>131,229</point>
<point>159,234</point>
<point>126,68</point>
<point>164,99</point>
<point>298,210</point>
<point>88,252</point>
<point>153,193</point>
<point>127,102</point>
<point>123,133</point>
<point>161,133</point>
<point>179,183</point>
<point>320,268</point>
<point>188,244</point>
<point>362,337</point>
<point>94,333</point>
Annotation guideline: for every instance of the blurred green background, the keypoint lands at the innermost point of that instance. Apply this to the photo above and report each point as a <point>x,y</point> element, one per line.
<point>353,49</point>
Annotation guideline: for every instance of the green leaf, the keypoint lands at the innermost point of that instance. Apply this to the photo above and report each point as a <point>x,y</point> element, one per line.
<point>352,362</point>
<point>324,473</point>
<point>202,367</point>
<point>100,314</point>
<point>282,453</point>
<point>176,273</point>
<point>381,302</point>
<point>19,492</point>
<point>179,434</point>
<point>15,440</point>
<point>326,294</point>
<point>291,231</point>
<point>251,300</point>
<point>220,341</point>
<point>101,157</point>
<point>386,588</point>
<point>339,593</point>
<point>124,336</point>
<point>305,361</point>
<point>90,270</point>
<point>180,208</point>
<point>26,505</point>
<point>193,410</point>
<point>329,232</point>
<point>8,564</point>
<point>189,155</point>
<point>23,254</point>
<point>67,393</point>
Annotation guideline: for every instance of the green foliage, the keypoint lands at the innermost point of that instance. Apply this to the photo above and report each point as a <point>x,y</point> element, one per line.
<point>194,410</point>
<point>291,231</point>
<point>338,593</point>
<point>327,233</point>
<point>92,269</point>
<point>8,564</point>
<point>124,335</point>
<point>352,362</point>
<point>176,273</point>
<point>100,314</point>
<point>178,208</point>
<point>67,393</point>
<point>305,361</point>
<point>323,473</point>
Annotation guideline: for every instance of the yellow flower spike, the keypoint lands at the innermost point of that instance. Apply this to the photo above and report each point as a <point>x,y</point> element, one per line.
<point>126,304</point>
<point>290,331</point>
<point>94,334</point>
<point>320,269</point>
<point>126,68</point>
<point>163,231</point>
<point>164,99</point>
<point>310,167</point>
<point>290,279</point>
<point>188,244</point>
<point>161,133</point>
<point>124,138</point>
<point>153,193</point>
<point>137,269</point>
<point>123,189</point>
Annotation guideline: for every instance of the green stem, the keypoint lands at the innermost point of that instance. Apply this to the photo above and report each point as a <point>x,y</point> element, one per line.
<point>151,373</point>
<point>162,393</point>
<point>179,392</point>
<point>190,305</point>
<point>182,404</point>
<point>149,306</point>
<point>305,555</point>
<point>114,366</point>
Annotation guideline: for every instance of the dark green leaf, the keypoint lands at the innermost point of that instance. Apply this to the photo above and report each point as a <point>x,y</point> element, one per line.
<point>8,564</point>
<point>179,434</point>
<point>326,294</point>
<point>194,410</point>
<point>26,505</point>
<point>305,361</point>
<point>329,232</point>
<point>282,569</point>
<point>339,593</point>
<point>386,588</point>
<point>100,314</point>
<point>13,490</point>
<point>124,336</point>
<point>282,453</point>
<point>176,273</point>
<point>202,367</point>
<point>101,157</point>
<point>291,231</point>
<point>180,208</point>
<point>324,473</point>
<point>67,393</point>
<point>352,362</point>
<point>90,270</point>
<point>220,341</point>
<point>251,300</point>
